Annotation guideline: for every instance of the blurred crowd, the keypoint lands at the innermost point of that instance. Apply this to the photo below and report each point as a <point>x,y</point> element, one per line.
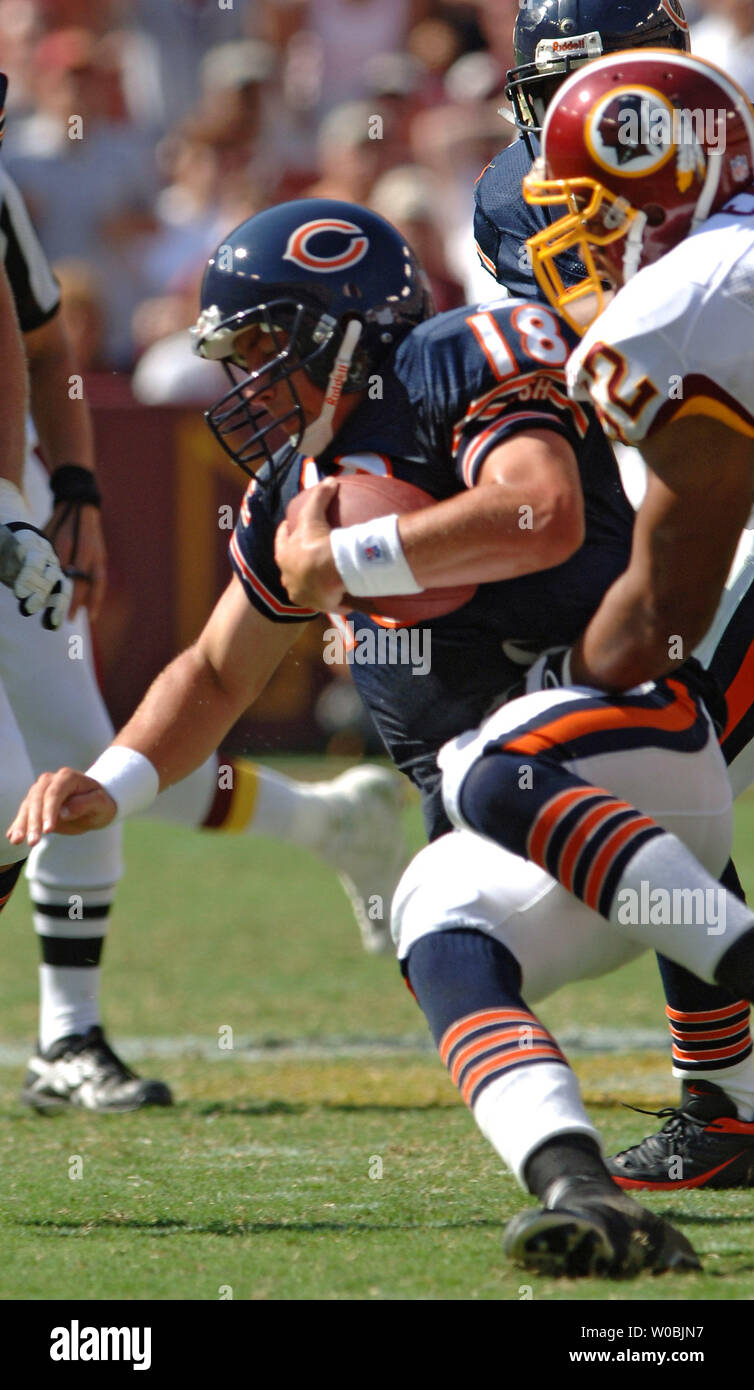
<point>141,131</point>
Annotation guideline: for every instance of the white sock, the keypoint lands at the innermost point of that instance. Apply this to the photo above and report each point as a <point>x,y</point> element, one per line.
<point>662,868</point>
<point>521,1110</point>
<point>737,1082</point>
<point>298,812</point>
<point>71,927</point>
<point>68,1001</point>
<point>257,802</point>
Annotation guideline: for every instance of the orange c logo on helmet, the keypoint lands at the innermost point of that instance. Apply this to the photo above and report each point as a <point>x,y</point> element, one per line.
<point>674,9</point>
<point>298,250</point>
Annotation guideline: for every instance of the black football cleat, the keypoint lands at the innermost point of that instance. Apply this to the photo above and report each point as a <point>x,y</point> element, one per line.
<point>585,1230</point>
<point>84,1071</point>
<point>702,1144</point>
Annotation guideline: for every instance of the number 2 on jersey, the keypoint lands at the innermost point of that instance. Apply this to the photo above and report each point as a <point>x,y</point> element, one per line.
<point>608,368</point>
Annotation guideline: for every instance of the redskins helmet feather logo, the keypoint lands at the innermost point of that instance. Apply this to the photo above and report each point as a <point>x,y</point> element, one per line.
<point>302,243</point>
<point>630,131</point>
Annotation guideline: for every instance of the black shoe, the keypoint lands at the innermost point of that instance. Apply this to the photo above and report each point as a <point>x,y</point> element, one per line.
<point>702,1144</point>
<point>585,1229</point>
<point>83,1070</point>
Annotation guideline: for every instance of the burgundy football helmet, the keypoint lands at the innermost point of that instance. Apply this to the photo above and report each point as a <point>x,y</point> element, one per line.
<point>642,147</point>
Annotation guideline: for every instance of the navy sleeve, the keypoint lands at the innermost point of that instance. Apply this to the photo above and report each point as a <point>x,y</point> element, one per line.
<point>252,557</point>
<point>503,221</point>
<point>482,431</point>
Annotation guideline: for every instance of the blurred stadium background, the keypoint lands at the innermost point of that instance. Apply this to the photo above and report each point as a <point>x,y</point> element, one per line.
<point>194,114</point>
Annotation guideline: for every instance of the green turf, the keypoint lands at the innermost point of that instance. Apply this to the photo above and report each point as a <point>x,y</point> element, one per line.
<point>259,1179</point>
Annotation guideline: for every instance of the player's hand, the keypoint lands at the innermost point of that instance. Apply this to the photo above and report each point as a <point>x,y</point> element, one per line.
<point>304,556</point>
<point>63,802</point>
<point>76,531</point>
<point>40,583</point>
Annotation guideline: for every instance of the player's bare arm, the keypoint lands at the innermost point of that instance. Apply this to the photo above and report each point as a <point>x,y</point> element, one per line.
<point>698,499</point>
<point>63,424</point>
<point>182,719</point>
<point>525,514</point>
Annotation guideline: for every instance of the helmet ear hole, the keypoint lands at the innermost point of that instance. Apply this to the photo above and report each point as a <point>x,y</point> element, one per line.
<point>654,214</point>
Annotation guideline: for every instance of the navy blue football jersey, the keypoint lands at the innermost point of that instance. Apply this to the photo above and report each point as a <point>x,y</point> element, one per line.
<point>458,385</point>
<point>503,222</point>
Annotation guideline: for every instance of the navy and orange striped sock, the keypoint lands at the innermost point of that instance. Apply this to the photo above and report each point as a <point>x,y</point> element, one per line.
<point>616,860</point>
<point>468,986</point>
<point>581,834</point>
<point>709,1028</point>
<point>508,1067</point>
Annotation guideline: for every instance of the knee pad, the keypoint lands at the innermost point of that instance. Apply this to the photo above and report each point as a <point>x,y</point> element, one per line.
<point>465,881</point>
<point>462,880</point>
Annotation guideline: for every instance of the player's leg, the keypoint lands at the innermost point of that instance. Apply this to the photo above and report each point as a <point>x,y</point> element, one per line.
<point>53,692</point>
<point>481,934</point>
<point>558,776</point>
<point>708,1141</point>
<point>352,822</point>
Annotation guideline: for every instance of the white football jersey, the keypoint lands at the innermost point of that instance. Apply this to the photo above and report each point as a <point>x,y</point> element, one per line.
<point>678,339</point>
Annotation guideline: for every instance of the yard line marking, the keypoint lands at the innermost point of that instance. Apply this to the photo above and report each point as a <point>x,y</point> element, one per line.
<point>205,1048</point>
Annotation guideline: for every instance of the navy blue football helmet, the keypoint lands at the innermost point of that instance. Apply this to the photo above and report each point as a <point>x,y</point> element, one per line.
<point>553,37</point>
<point>334,288</point>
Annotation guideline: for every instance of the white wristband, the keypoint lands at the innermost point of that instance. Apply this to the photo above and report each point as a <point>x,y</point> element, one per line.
<point>128,777</point>
<point>369,559</point>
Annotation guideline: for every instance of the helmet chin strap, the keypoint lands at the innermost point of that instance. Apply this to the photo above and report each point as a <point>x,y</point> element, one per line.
<point>318,434</point>
<point>709,192</point>
<point>634,246</point>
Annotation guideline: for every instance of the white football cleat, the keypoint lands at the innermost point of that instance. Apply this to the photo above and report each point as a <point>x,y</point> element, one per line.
<point>367,846</point>
<point>82,1070</point>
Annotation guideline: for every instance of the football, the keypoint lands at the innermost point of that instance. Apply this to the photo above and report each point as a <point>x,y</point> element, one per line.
<point>362,496</point>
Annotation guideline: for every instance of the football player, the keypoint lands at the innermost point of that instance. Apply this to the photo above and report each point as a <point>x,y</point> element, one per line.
<point>352,822</point>
<point>316,310</point>
<point>549,42</point>
<point>669,366</point>
<point>710,1032</point>
<point>35,577</point>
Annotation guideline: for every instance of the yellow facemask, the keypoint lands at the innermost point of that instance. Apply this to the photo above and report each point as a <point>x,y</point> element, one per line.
<point>595,217</point>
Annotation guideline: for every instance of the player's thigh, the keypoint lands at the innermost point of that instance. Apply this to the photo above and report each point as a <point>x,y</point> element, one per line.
<point>465,881</point>
<point>16,776</point>
<point>49,679</point>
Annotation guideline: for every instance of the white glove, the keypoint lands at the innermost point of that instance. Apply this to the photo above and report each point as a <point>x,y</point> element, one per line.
<point>41,582</point>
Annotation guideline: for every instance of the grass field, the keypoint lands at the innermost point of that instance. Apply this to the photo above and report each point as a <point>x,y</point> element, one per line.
<point>333,1162</point>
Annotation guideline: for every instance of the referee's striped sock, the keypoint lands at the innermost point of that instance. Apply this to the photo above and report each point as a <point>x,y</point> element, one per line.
<point>71,927</point>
